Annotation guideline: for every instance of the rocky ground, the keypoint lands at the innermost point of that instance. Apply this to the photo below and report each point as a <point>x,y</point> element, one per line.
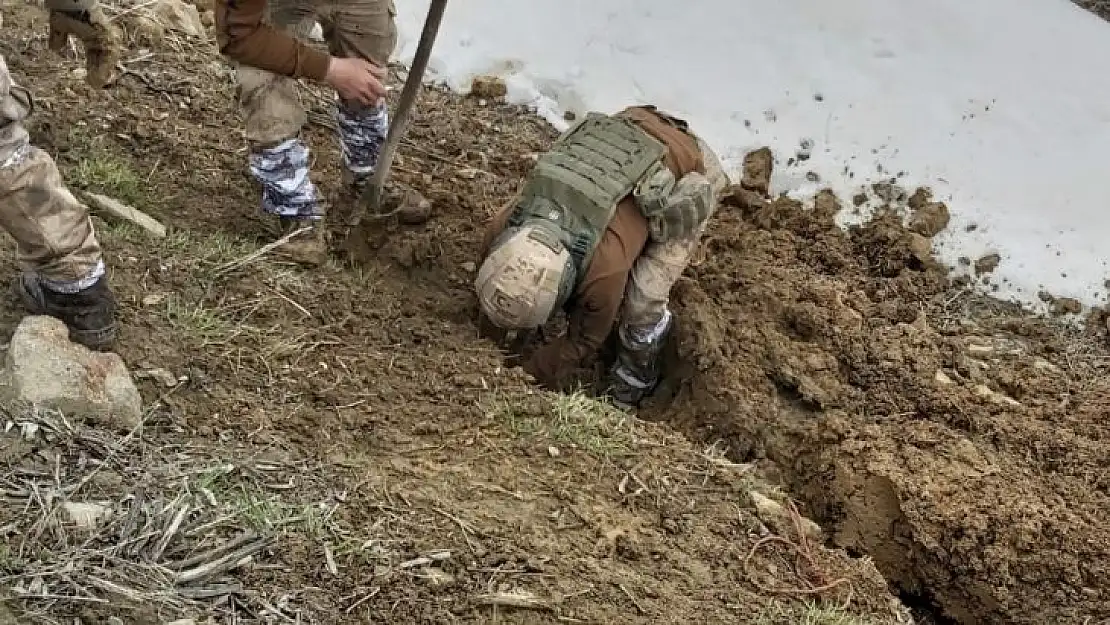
<point>338,446</point>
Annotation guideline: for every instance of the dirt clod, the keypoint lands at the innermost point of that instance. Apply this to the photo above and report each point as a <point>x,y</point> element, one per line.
<point>930,219</point>
<point>987,264</point>
<point>758,166</point>
<point>1066,306</point>
<point>415,209</point>
<point>488,87</point>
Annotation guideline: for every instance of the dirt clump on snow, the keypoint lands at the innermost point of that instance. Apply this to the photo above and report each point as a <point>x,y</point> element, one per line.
<point>758,166</point>
<point>987,264</point>
<point>959,442</point>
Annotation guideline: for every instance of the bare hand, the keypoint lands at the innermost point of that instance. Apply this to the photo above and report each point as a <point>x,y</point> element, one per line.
<point>357,80</point>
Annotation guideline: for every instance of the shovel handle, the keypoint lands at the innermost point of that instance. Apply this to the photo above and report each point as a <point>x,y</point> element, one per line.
<point>372,195</point>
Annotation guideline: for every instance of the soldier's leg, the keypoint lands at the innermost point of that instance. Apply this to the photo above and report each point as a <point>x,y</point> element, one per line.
<point>646,320</point>
<point>361,29</point>
<point>279,159</point>
<point>63,270</point>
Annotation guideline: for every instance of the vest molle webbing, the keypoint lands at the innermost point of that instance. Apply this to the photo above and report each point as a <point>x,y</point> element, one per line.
<point>579,182</point>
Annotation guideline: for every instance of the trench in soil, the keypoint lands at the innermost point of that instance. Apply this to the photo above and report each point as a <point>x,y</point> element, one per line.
<point>866,522</point>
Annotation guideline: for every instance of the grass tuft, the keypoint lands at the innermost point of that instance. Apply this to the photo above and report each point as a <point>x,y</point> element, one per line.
<point>100,172</point>
<point>574,419</point>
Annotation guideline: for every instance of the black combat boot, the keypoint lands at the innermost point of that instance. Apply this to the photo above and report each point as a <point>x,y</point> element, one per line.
<point>90,314</point>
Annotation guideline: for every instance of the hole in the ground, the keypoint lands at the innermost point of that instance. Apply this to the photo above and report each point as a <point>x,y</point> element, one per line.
<point>861,512</point>
<point>924,609</point>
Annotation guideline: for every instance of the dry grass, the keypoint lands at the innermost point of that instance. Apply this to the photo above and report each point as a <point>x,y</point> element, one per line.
<point>177,522</point>
<point>808,614</point>
<point>573,419</point>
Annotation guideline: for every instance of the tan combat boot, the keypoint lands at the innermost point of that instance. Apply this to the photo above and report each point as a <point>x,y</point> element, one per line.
<point>100,37</point>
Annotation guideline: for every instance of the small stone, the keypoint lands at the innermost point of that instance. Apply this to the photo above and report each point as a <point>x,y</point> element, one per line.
<point>45,370</point>
<point>987,264</point>
<point>488,87</point>
<point>86,516</point>
<point>758,166</point>
<point>554,452</point>
<point>154,299</point>
<point>119,210</point>
<point>859,199</point>
<point>569,116</point>
<point>469,267</point>
<point>942,378</point>
<point>964,261</point>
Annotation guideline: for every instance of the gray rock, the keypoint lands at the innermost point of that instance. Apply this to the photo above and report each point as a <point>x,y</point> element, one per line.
<point>43,369</point>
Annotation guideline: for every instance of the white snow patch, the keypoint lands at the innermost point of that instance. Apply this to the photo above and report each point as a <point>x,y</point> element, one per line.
<point>1001,106</point>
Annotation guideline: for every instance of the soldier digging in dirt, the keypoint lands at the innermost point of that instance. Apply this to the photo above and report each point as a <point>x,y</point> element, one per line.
<point>62,267</point>
<point>604,226</point>
<point>267,39</point>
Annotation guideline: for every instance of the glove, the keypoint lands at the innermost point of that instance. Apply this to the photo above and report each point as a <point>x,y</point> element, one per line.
<point>85,20</point>
<point>553,363</point>
<point>685,209</point>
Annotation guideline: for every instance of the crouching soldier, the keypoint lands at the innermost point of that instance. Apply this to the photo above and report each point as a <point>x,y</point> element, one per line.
<point>63,269</point>
<point>603,228</point>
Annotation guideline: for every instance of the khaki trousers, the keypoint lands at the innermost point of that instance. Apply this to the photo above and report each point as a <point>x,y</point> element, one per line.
<point>660,265</point>
<point>353,28</point>
<point>52,230</point>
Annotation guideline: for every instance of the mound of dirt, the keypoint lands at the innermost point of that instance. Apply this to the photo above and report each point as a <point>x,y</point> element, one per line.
<point>959,443</point>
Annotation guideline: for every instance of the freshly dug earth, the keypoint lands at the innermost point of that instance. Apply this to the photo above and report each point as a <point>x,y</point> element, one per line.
<point>959,443</point>
<point>337,445</point>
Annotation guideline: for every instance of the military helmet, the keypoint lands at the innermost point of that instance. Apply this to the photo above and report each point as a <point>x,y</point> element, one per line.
<point>527,275</point>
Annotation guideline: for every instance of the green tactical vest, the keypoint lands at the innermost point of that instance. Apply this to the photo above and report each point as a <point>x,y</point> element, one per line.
<point>579,182</point>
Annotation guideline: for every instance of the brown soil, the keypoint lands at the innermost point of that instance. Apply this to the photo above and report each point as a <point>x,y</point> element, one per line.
<point>961,444</point>
<point>375,457</point>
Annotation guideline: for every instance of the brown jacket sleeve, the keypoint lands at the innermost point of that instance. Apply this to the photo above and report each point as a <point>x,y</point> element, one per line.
<point>244,37</point>
<point>598,298</point>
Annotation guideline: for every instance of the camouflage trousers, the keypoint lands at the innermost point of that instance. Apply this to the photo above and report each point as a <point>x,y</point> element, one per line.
<point>660,265</point>
<point>275,115</point>
<point>52,230</point>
